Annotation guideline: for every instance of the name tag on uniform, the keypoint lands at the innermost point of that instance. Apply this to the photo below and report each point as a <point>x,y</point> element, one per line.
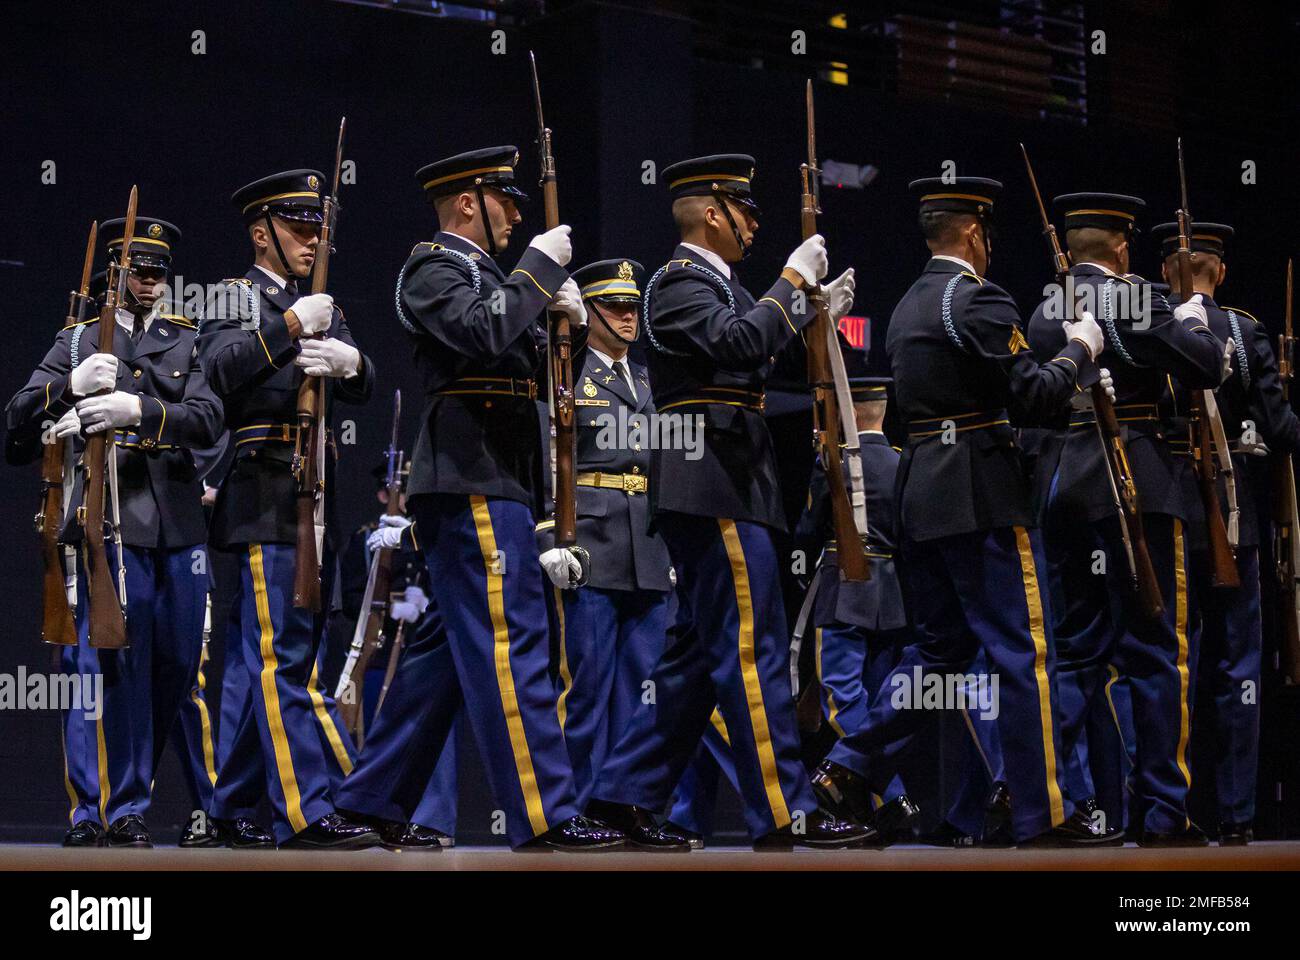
<point>592,403</point>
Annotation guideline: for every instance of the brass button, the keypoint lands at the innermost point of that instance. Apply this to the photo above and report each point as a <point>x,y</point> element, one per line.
<point>636,469</point>
<point>487,404</point>
<point>137,374</point>
<point>636,446</point>
<point>176,373</point>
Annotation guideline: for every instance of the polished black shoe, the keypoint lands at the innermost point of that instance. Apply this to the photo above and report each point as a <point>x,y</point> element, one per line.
<point>1189,836</point>
<point>199,833</point>
<point>896,819</point>
<point>84,833</point>
<point>1235,834</point>
<point>128,831</point>
<point>696,840</point>
<point>638,826</point>
<point>997,819</point>
<point>333,832</point>
<point>842,792</point>
<point>946,835</point>
<point>821,830</point>
<point>403,837</point>
<point>577,835</point>
<point>1076,831</point>
<point>242,834</point>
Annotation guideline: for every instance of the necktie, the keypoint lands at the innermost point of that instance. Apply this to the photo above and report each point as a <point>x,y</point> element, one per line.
<point>621,367</point>
<point>137,330</point>
<point>291,286</point>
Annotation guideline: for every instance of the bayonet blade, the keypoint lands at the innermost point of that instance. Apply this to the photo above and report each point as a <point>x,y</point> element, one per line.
<point>537,92</point>
<point>88,264</point>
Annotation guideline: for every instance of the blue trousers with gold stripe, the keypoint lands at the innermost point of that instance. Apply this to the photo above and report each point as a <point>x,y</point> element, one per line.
<point>112,758</point>
<point>729,649</point>
<point>967,592</point>
<point>696,797</point>
<point>608,642</point>
<point>489,590</point>
<point>194,740</point>
<point>1100,625</point>
<point>407,769</point>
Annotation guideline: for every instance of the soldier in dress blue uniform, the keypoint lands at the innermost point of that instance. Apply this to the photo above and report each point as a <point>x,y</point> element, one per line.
<point>1098,621</point>
<point>972,554</point>
<point>718,507</point>
<point>160,408</point>
<point>1257,420</point>
<point>476,490</point>
<point>260,336</point>
<point>610,631</point>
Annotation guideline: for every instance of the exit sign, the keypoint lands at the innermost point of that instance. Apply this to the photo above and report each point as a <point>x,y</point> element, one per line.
<point>856,330</point>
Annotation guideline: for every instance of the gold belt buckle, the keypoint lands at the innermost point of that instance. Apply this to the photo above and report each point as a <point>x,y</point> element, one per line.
<point>632,483</point>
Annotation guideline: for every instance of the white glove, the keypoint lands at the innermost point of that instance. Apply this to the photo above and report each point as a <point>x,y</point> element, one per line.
<point>97,372</point>
<point>562,567</point>
<point>410,607</point>
<point>568,300</point>
<point>1085,330</point>
<point>389,534</point>
<point>69,424</point>
<point>1192,308</point>
<point>315,312</point>
<point>1107,383</point>
<point>109,411</point>
<point>555,244</point>
<point>1225,370</point>
<point>809,259</point>
<point>328,357</point>
<point>839,295</point>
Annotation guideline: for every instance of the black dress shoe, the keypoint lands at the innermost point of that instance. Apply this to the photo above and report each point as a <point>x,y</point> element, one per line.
<point>333,832</point>
<point>895,820</point>
<point>997,819</point>
<point>1189,836</point>
<point>577,835</point>
<point>946,835</point>
<point>129,831</point>
<point>1235,834</point>
<point>822,831</point>
<point>242,834</point>
<point>842,792</point>
<point>696,840</point>
<point>638,826</point>
<point>411,837</point>
<point>206,835</point>
<point>84,833</point>
<point>1076,831</point>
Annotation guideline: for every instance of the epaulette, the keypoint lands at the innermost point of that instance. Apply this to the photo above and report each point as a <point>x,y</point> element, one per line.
<point>243,280</point>
<point>180,321</point>
<point>475,275</point>
<point>81,323</point>
<point>1244,313</point>
<point>978,279</point>
<point>1132,279</point>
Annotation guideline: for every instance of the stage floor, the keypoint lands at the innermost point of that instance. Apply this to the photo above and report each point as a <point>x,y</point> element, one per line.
<point>1256,857</point>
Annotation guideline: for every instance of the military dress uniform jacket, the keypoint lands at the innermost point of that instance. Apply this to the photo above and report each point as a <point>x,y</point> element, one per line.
<point>613,517</point>
<point>1140,353</point>
<point>713,349</point>
<point>159,490</point>
<point>248,357</point>
<point>875,604</point>
<point>479,344</point>
<point>963,374</point>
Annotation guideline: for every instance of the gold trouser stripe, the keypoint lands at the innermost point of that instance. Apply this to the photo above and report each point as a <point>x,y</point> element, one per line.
<point>327,722</point>
<point>566,678</point>
<point>832,711</point>
<point>1034,602</point>
<point>487,542</point>
<point>1180,630</point>
<point>720,725</point>
<point>271,696</point>
<point>67,781</point>
<point>749,673</point>
<point>979,747</point>
<point>101,750</point>
<point>205,722</point>
<point>1110,700</point>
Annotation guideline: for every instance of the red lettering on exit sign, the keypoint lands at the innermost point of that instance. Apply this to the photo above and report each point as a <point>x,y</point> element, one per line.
<point>855,330</point>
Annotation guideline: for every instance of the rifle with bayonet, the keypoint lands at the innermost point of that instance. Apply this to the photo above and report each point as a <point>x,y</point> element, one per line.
<point>1286,532</point>
<point>1119,474</point>
<point>369,633</point>
<point>57,624</point>
<point>107,596</point>
<point>835,435</point>
<point>1208,437</point>
<point>560,364</point>
<point>309,446</point>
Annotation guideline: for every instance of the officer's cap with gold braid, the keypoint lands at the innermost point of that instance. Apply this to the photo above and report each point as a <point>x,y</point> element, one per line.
<point>956,195</point>
<point>729,173</point>
<point>291,195</point>
<point>862,385</point>
<point>1205,238</point>
<point>151,245</point>
<point>490,167</point>
<point>1108,211</point>
<point>617,281</point>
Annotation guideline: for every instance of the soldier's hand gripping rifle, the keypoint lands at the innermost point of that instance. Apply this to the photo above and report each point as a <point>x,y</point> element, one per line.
<point>57,625</point>
<point>835,435</point>
<point>1286,545</point>
<point>559,349</point>
<point>1119,474</point>
<point>1208,436</point>
<point>369,633</point>
<point>309,447</point>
